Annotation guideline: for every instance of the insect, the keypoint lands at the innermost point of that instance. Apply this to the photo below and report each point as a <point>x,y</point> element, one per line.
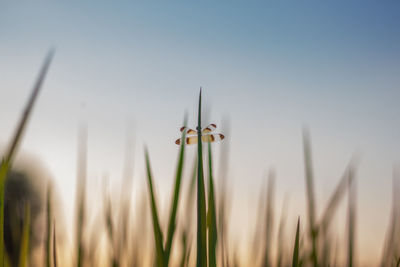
<point>206,135</point>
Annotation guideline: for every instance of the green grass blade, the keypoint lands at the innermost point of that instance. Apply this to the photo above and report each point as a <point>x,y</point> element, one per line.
<point>24,250</point>
<point>295,260</point>
<point>211,215</point>
<point>310,195</point>
<point>175,199</point>
<point>201,257</point>
<point>158,237</point>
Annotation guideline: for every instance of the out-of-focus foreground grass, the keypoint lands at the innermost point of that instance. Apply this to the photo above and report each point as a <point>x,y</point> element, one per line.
<point>195,230</point>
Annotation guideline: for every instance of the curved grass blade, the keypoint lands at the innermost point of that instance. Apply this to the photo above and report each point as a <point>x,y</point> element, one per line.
<point>158,237</point>
<point>175,199</point>
<point>295,259</point>
<point>201,259</point>
<point>211,215</point>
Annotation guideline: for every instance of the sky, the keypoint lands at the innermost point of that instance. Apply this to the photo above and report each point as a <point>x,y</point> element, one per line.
<point>267,68</point>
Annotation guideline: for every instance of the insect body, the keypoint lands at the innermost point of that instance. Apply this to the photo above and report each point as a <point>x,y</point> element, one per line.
<point>206,135</point>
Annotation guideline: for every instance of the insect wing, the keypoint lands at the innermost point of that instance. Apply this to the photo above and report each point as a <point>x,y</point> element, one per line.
<point>211,127</point>
<point>208,138</point>
<point>189,140</point>
<point>188,130</point>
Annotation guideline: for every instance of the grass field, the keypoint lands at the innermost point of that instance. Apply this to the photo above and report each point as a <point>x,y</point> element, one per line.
<point>195,231</point>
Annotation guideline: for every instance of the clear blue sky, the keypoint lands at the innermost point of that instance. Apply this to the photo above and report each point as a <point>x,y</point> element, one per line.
<point>269,67</point>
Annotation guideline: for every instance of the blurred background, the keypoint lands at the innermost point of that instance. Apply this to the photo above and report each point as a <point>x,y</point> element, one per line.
<point>130,71</point>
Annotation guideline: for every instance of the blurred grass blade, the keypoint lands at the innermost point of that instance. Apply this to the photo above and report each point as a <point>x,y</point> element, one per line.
<point>337,196</point>
<point>201,259</point>
<point>351,220</point>
<point>125,201</point>
<point>175,198</point>
<point>211,215</point>
<point>331,209</point>
<point>29,106</point>
<point>269,218</point>
<point>110,227</point>
<point>24,250</point>
<point>281,231</point>
<point>310,195</point>
<point>81,194</point>
<point>222,197</point>
<point>6,162</point>
<point>295,260</point>
<point>48,226</point>
<point>392,232</point>
<point>156,224</point>
<point>54,245</point>
<point>186,241</point>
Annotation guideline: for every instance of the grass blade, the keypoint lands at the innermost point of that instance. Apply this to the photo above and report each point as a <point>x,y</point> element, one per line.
<point>336,197</point>
<point>3,174</point>
<point>310,195</point>
<point>295,260</point>
<point>392,231</point>
<point>81,193</point>
<point>281,231</point>
<point>351,220</point>
<point>158,237</point>
<point>211,215</point>
<point>6,162</point>
<point>29,106</point>
<point>48,226</point>
<point>186,240</point>
<point>269,214</point>
<point>201,259</point>
<point>223,198</point>
<point>175,199</point>
<point>331,208</point>
<point>24,250</point>
<point>110,228</point>
<point>54,245</point>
